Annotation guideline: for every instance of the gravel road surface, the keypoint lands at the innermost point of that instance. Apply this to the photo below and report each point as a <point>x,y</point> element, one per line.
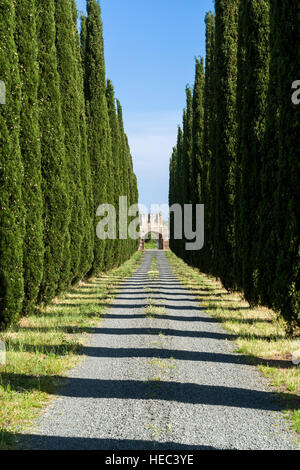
<point>167,381</point>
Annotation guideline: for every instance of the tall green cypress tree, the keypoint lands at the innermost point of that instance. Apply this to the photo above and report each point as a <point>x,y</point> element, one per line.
<point>179,195</point>
<point>187,169</point>
<point>286,17</point>
<point>241,82</point>
<point>252,92</point>
<point>124,186</point>
<point>55,195</point>
<point>116,142</point>
<point>110,184</point>
<point>99,144</point>
<point>132,195</point>
<point>188,146</point>
<point>226,80</point>
<point>210,142</point>
<point>33,247</point>
<point>172,194</point>
<point>136,243</point>
<point>267,246</point>
<point>11,174</point>
<point>70,102</point>
<point>130,189</point>
<point>209,145</point>
<point>198,171</point>
<point>87,244</point>
<point>198,165</point>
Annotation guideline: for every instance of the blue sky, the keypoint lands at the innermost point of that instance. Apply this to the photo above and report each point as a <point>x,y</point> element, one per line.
<point>150,48</point>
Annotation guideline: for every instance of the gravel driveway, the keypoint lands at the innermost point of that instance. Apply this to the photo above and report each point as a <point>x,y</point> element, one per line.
<point>164,382</point>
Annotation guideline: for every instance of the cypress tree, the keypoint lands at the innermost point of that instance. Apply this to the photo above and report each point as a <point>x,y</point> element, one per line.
<point>99,144</point>
<point>172,193</point>
<point>11,174</point>
<point>209,145</point>
<point>87,244</point>
<point>267,246</point>
<point>179,194</point>
<point>252,91</point>
<point>226,78</point>
<point>133,196</point>
<point>241,82</point>
<point>286,17</point>
<point>198,170</point>
<point>136,243</point>
<point>198,164</point>
<point>110,185</point>
<point>130,190</point>
<point>124,186</point>
<point>56,202</point>
<point>70,104</point>
<point>116,142</point>
<point>33,247</point>
<point>188,147</point>
<point>187,163</point>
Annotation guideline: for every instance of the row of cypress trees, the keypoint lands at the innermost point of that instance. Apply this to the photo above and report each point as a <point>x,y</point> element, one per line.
<point>64,152</point>
<point>238,153</point>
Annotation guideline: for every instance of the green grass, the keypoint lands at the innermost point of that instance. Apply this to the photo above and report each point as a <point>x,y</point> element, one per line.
<point>153,272</point>
<point>151,311</point>
<point>43,347</point>
<point>151,244</point>
<point>257,332</point>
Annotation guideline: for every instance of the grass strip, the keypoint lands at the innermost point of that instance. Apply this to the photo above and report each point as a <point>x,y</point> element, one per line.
<point>153,272</point>
<point>151,244</point>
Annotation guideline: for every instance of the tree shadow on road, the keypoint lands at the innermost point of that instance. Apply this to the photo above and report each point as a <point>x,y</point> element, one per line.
<point>43,442</point>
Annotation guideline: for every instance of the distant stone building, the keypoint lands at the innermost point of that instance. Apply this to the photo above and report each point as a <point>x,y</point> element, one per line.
<point>154,224</point>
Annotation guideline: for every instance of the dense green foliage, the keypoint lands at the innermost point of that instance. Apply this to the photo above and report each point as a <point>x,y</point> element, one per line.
<point>128,184</point>
<point>87,242</point>
<point>33,246</point>
<point>198,163</point>
<point>251,105</point>
<point>56,214</point>
<point>225,146</point>
<point>99,139</point>
<point>11,173</point>
<point>206,261</point>
<point>245,160</point>
<point>115,162</point>
<point>286,30</point>
<point>70,105</point>
<point>64,152</point>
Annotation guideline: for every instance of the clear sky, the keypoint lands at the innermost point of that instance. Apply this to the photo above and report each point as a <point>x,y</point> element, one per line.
<point>150,46</point>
